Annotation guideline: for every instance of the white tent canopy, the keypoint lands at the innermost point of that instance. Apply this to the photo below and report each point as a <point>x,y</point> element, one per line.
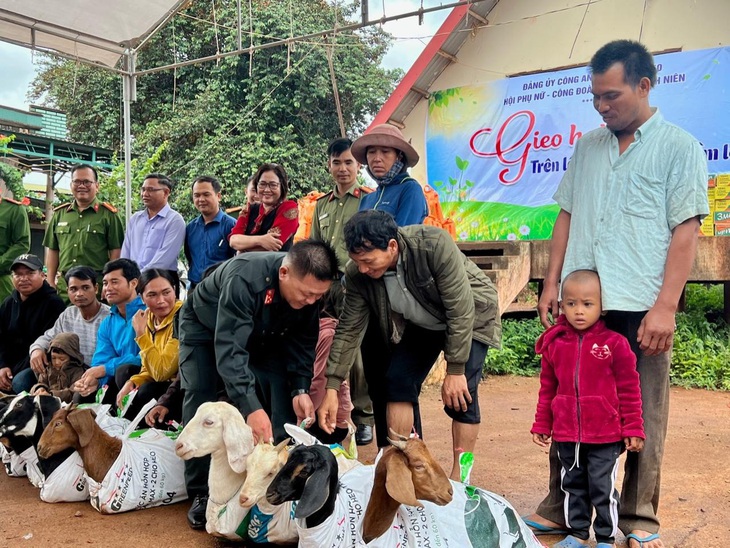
<point>98,32</point>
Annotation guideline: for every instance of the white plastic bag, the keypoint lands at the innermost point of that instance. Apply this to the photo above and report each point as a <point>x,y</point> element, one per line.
<point>16,465</point>
<point>68,482</point>
<point>147,472</point>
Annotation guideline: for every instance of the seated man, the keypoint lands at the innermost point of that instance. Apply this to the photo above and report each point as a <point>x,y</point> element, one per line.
<point>115,342</point>
<point>31,308</point>
<point>425,297</point>
<point>83,318</point>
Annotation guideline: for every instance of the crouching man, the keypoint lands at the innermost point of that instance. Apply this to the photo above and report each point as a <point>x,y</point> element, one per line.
<point>252,326</point>
<point>426,297</point>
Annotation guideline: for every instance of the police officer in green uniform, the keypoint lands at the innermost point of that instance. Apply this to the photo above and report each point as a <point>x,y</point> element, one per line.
<point>14,240</point>
<point>84,232</point>
<point>331,213</point>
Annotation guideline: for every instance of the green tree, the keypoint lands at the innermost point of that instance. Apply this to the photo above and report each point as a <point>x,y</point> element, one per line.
<point>215,118</point>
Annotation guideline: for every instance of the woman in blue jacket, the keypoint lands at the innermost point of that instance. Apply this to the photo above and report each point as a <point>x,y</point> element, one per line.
<point>387,156</point>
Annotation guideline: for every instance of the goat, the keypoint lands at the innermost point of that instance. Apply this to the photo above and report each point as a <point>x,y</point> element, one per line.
<point>22,422</point>
<point>331,516</point>
<point>267,523</point>
<point>219,430</point>
<point>77,428</point>
<point>262,465</point>
<point>405,473</point>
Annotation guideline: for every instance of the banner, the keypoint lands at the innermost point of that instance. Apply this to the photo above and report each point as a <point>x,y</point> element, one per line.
<point>497,152</point>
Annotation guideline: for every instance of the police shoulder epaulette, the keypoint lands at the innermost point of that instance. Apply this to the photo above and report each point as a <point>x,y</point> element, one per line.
<point>110,207</point>
<point>16,202</point>
<point>366,189</point>
<point>234,209</point>
<point>326,195</point>
<point>62,206</point>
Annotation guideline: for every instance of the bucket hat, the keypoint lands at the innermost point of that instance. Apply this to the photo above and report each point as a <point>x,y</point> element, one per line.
<point>384,135</point>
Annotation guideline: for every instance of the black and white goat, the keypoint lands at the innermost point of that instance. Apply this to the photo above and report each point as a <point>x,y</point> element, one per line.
<point>22,422</point>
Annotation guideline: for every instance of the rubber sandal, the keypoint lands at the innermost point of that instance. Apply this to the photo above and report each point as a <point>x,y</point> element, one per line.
<point>570,542</point>
<point>604,545</point>
<point>641,540</point>
<point>540,529</point>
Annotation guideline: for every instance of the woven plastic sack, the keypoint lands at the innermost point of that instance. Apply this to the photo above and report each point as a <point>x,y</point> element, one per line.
<point>147,472</point>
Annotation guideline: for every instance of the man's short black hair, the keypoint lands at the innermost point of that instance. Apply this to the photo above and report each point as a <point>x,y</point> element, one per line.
<point>338,146</point>
<point>215,183</point>
<point>638,63</point>
<point>369,230</point>
<point>76,167</point>
<point>129,268</point>
<point>313,257</point>
<point>163,179</point>
<point>150,274</point>
<point>81,273</point>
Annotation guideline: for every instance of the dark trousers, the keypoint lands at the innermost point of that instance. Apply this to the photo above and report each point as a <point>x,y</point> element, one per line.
<point>200,381</point>
<point>588,481</point>
<point>642,471</point>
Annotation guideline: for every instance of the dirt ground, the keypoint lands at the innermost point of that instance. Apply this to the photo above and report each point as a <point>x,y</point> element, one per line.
<point>695,502</point>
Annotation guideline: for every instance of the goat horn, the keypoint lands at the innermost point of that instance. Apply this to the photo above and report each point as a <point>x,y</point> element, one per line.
<point>399,441</point>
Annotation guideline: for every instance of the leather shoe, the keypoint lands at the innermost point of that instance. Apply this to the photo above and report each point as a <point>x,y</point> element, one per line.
<point>196,514</point>
<point>364,434</point>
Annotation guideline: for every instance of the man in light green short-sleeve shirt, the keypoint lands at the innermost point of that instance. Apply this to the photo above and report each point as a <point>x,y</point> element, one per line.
<point>631,203</point>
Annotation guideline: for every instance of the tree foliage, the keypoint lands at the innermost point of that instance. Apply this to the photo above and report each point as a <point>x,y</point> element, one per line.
<point>225,118</point>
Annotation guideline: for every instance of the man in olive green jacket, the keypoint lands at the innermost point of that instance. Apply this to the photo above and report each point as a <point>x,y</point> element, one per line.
<point>425,297</point>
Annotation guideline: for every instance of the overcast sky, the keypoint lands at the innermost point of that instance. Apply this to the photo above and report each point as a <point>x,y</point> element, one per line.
<point>17,71</point>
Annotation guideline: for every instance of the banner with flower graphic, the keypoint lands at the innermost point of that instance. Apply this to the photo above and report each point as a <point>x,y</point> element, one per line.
<point>496,152</point>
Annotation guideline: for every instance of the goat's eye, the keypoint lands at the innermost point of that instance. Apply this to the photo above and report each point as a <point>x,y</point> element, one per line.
<point>208,422</point>
<point>58,424</point>
<point>418,467</point>
<point>19,405</point>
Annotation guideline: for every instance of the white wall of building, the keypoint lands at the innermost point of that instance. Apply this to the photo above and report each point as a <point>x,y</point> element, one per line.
<point>541,35</point>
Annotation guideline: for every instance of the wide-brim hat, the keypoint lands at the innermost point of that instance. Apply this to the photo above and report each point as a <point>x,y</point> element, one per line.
<point>384,135</point>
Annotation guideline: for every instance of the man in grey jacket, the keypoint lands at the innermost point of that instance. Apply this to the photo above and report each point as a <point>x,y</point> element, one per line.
<point>251,328</point>
<point>425,297</point>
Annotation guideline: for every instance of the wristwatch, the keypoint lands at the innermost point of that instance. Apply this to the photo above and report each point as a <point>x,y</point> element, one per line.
<point>299,392</point>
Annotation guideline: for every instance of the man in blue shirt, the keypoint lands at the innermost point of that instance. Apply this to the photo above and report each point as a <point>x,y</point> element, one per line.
<point>206,236</point>
<point>117,353</point>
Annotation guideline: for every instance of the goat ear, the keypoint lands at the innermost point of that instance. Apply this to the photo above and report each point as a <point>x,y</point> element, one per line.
<point>238,439</point>
<point>315,494</point>
<point>83,424</point>
<point>399,481</point>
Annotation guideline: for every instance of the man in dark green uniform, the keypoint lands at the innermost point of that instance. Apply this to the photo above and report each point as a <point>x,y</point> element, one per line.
<point>331,213</point>
<point>14,240</point>
<point>252,326</point>
<point>84,232</point>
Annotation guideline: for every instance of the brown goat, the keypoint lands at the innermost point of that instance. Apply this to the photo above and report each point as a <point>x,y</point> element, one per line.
<point>77,428</point>
<point>405,473</point>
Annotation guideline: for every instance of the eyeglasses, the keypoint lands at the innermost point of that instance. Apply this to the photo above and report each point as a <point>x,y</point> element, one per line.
<point>82,182</point>
<point>26,275</point>
<point>270,186</point>
<point>145,189</point>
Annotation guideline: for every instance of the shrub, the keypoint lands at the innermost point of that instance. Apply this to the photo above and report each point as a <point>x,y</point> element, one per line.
<point>517,356</point>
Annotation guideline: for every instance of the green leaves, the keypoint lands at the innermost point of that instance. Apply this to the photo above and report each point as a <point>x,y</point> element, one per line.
<point>226,118</point>
<point>461,164</point>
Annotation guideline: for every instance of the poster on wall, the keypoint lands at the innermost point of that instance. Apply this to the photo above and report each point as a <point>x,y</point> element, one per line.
<point>497,152</point>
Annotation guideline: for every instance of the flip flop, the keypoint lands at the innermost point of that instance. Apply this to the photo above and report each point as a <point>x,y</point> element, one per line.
<point>641,540</point>
<point>570,542</point>
<point>604,545</point>
<point>540,529</point>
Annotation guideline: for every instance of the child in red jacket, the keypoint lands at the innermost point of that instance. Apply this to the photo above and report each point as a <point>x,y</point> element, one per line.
<point>590,404</point>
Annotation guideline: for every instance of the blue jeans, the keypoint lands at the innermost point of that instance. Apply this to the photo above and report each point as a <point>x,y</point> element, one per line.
<point>24,381</point>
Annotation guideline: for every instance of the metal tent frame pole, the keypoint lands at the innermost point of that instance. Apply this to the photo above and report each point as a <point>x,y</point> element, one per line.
<point>129,93</point>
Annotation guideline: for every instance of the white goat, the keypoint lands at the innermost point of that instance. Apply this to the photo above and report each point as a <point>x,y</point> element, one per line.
<point>219,430</point>
<point>267,523</point>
